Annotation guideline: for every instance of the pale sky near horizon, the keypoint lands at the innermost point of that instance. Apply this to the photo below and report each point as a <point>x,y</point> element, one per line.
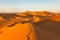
<point>26,5</point>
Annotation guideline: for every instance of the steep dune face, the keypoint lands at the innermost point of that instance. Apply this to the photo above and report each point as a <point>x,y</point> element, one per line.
<point>47,30</point>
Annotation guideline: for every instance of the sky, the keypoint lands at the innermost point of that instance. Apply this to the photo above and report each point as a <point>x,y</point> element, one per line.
<point>29,5</point>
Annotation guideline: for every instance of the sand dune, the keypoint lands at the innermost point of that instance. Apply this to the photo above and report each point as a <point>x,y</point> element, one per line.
<point>17,32</point>
<point>30,25</point>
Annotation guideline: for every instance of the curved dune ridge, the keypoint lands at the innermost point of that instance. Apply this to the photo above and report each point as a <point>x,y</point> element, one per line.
<point>30,25</point>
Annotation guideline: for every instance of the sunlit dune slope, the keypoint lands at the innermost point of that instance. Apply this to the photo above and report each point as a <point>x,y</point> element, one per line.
<point>17,32</point>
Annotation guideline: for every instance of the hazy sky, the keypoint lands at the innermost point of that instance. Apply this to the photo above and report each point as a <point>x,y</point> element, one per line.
<point>24,5</point>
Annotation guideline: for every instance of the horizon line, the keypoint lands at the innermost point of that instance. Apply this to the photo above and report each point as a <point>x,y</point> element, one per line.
<point>30,11</point>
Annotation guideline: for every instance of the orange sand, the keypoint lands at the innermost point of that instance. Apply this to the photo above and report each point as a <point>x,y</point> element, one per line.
<point>17,32</point>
